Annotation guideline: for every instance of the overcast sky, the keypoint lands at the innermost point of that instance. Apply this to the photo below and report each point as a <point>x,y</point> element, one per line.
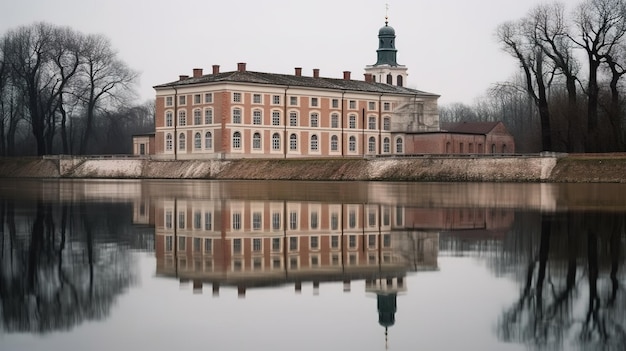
<point>448,46</point>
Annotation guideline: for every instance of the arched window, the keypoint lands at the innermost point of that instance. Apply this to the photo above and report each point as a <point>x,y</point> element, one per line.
<point>334,143</point>
<point>208,140</point>
<point>276,141</point>
<point>168,142</point>
<point>182,118</point>
<point>314,120</point>
<point>371,122</point>
<point>208,116</point>
<point>275,118</point>
<point>197,117</point>
<point>181,141</point>
<point>386,124</point>
<point>293,142</point>
<point>399,80</point>
<point>168,118</point>
<point>256,117</point>
<point>352,119</point>
<point>334,120</point>
<point>314,144</point>
<point>371,145</point>
<point>256,141</point>
<point>386,145</point>
<point>293,119</point>
<point>237,116</point>
<point>352,144</point>
<point>236,140</point>
<point>399,146</point>
<point>389,79</point>
<point>197,141</point>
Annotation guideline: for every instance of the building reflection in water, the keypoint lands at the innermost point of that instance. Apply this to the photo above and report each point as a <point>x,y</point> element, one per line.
<point>247,244</point>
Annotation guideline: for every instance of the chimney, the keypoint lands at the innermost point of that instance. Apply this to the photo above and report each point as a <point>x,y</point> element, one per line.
<point>368,77</point>
<point>346,75</point>
<point>216,69</point>
<point>197,72</point>
<point>241,67</point>
<point>183,77</point>
<point>316,72</point>
<point>298,71</point>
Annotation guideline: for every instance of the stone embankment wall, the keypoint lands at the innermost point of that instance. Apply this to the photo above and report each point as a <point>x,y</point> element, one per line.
<point>537,168</point>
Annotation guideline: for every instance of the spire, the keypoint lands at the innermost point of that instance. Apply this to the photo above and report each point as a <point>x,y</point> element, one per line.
<point>386,43</point>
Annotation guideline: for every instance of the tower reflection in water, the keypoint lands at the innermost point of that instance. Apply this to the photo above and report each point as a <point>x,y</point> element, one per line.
<point>248,244</point>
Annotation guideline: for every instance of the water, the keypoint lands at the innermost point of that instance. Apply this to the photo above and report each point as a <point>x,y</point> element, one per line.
<point>164,265</point>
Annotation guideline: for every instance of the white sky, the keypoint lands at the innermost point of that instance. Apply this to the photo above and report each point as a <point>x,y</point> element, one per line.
<point>448,46</point>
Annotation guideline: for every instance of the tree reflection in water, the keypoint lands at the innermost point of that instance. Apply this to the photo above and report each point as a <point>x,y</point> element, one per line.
<point>571,283</point>
<point>58,264</point>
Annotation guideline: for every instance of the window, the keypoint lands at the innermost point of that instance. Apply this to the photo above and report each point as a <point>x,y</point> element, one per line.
<point>208,116</point>
<point>314,120</point>
<point>168,219</point>
<point>276,99</point>
<point>334,143</point>
<point>256,117</point>
<point>168,118</point>
<point>315,244</point>
<point>334,221</point>
<point>399,80</point>
<point>371,105</point>
<point>197,117</point>
<point>236,140</point>
<point>386,240</point>
<point>293,119</point>
<point>314,143</point>
<point>352,104</point>
<point>352,241</point>
<point>275,244</point>
<point>182,241</point>
<point>256,141</point>
<point>293,100</point>
<point>168,142</point>
<point>256,244</point>
<point>169,101</point>
<point>197,220</point>
<point>181,141</point>
<point>208,220</point>
<point>386,124</point>
<point>389,79</point>
<point>256,221</point>
<point>256,98</point>
<point>237,116</point>
<point>276,220</point>
<point>352,119</point>
<point>237,246</point>
<point>386,106</point>
<point>293,243</point>
<point>182,100</point>
<point>208,245</point>
<point>293,142</point>
<point>371,122</point>
<point>386,215</point>
<point>236,221</point>
<point>386,145</point>
<point>276,141</point>
<point>399,147</point>
<point>197,99</point>
<point>275,118</point>
<point>371,145</point>
<point>197,141</point>
<point>335,103</point>
<point>314,220</point>
<point>314,102</point>
<point>334,241</point>
<point>352,144</point>
<point>371,218</point>
<point>182,118</point>
<point>236,97</point>
<point>208,98</point>
<point>334,120</point>
<point>181,220</point>
<point>293,220</point>
<point>208,140</point>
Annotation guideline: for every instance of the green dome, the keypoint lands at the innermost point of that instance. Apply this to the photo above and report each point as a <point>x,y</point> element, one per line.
<point>386,31</point>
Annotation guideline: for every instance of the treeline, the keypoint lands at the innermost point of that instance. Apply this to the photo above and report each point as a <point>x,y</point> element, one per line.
<point>568,95</point>
<point>65,92</point>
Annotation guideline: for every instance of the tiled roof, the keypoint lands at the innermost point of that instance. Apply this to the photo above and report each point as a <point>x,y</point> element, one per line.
<point>296,81</point>
<point>468,127</point>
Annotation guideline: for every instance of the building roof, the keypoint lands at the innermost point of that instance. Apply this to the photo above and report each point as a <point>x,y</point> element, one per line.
<point>469,127</point>
<point>262,78</point>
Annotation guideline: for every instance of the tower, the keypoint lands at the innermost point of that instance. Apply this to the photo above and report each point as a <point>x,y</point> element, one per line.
<point>386,69</point>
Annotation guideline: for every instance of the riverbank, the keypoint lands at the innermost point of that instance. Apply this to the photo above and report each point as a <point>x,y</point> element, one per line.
<point>528,168</point>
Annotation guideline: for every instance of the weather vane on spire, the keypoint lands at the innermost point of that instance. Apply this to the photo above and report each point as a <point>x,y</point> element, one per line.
<point>386,14</point>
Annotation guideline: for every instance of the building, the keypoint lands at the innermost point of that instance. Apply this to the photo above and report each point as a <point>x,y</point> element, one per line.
<point>247,114</point>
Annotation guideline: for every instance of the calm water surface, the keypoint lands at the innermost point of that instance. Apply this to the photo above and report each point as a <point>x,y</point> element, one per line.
<point>166,265</point>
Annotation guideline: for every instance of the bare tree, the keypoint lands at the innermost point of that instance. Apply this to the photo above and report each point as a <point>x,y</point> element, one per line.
<point>105,77</point>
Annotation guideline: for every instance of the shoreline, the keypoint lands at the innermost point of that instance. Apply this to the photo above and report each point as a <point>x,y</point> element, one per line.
<point>547,167</point>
